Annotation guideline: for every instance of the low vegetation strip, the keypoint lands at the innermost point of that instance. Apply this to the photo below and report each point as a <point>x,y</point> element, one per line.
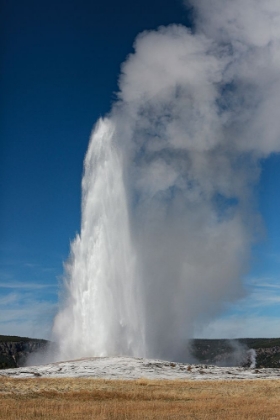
<point>84,399</point>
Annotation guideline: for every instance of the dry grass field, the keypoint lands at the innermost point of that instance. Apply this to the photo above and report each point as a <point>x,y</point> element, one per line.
<point>83,399</point>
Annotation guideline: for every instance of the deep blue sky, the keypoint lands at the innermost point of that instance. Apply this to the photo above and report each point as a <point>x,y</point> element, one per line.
<point>60,62</point>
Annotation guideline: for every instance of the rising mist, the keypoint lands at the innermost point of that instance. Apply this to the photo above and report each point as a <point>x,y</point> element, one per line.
<point>168,209</point>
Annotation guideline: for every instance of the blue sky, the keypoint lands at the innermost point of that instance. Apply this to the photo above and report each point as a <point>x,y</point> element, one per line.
<point>59,71</point>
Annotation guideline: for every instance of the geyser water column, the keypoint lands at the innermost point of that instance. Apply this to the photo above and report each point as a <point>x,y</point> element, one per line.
<point>168,214</point>
<point>102,314</point>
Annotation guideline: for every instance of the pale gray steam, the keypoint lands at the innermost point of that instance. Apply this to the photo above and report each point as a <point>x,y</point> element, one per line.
<point>168,213</point>
<point>237,354</point>
<point>252,355</point>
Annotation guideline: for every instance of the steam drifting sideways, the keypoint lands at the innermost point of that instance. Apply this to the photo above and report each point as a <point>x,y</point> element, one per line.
<point>168,212</point>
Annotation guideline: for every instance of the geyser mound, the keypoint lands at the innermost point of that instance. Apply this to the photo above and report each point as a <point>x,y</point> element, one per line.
<point>126,368</point>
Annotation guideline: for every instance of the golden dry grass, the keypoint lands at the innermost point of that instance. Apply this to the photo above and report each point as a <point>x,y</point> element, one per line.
<point>83,399</point>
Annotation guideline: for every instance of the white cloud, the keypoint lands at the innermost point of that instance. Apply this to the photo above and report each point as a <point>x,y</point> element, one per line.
<point>249,317</point>
<point>8,299</point>
<point>240,326</point>
<point>24,285</point>
<point>25,314</point>
<point>25,306</point>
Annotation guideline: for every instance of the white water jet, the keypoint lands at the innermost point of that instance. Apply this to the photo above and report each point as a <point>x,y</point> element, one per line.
<point>103,314</point>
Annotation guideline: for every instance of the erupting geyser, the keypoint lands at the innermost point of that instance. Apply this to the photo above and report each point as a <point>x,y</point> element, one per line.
<point>167,211</point>
<point>104,302</point>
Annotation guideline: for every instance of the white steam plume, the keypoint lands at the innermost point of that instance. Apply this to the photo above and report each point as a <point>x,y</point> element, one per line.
<point>168,212</point>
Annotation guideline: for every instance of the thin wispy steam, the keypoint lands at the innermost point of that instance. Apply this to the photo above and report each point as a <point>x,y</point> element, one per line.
<point>168,214</point>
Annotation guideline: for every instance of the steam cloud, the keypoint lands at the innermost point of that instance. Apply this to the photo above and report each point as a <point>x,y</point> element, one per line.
<point>168,215</point>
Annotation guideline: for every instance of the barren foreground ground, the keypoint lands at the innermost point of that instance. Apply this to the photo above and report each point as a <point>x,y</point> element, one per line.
<point>83,399</point>
<point>123,367</point>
